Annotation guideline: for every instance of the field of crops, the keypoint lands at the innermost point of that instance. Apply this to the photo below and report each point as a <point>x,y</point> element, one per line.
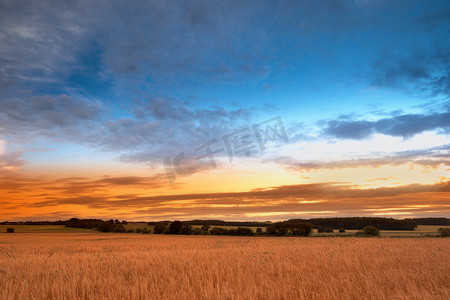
<point>133,266</point>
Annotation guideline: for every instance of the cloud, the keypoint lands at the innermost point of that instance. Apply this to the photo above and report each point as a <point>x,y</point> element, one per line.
<point>291,200</point>
<point>350,129</point>
<point>161,55</point>
<point>424,72</point>
<point>75,185</point>
<point>428,152</point>
<point>39,47</point>
<point>47,116</point>
<point>163,127</point>
<point>405,125</point>
<point>163,46</point>
<point>159,126</point>
<point>11,161</point>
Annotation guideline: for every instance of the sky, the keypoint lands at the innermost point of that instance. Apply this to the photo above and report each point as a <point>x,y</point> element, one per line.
<point>232,110</point>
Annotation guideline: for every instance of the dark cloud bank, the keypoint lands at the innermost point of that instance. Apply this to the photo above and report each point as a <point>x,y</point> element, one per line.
<point>405,126</point>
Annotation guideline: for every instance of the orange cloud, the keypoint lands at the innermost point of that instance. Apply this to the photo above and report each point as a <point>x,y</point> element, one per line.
<point>136,197</point>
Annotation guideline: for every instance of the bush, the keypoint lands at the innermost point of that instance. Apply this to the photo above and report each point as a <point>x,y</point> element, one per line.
<point>329,230</point>
<point>259,230</point>
<point>130,231</point>
<point>119,228</point>
<point>445,232</point>
<point>371,230</point>
<point>160,228</point>
<point>138,230</point>
<point>146,231</point>
<point>10,230</point>
<point>341,230</point>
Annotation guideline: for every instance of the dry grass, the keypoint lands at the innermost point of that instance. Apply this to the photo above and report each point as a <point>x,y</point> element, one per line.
<point>132,266</point>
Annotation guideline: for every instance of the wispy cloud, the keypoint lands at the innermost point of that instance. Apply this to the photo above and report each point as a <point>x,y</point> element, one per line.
<point>11,161</point>
<point>307,198</point>
<point>53,117</point>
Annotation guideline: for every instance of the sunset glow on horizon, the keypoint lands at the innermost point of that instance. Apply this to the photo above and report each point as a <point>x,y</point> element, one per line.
<point>224,110</point>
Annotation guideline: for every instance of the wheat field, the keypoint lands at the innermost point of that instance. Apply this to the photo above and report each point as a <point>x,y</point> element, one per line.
<point>133,266</point>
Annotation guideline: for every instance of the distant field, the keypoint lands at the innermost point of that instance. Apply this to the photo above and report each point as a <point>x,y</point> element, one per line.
<point>134,266</point>
<point>422,230</point>
<point>430,228</point>
<point>42,228</point>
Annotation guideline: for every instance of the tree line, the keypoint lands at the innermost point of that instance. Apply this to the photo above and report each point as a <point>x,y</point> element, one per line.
<point>357,223</point>
<point>322,224</point>
<point>431,221</point>
<point>276,229</point>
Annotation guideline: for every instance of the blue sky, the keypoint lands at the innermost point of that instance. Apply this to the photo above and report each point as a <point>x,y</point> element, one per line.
<point>133,82</point>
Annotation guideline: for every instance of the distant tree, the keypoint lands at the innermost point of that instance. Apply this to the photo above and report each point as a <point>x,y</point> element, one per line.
<point>130,230</point>
<point>160,228</point>
<point>10,230</point>
<point>371,230</point>
<point>175,227</point>
<point>431,221</point>
<point>259,230</point>
<point>124,222</point>
<point>277,228</point>
<point>205,228</point>
<point>111,221</point>
<point>146,230</point>
<point>218,231</point>
<point>321,229</point>
<point>116,221</point>
<point>198,231</point>
<point>106,227</point>
<point>360,222</point>
<point>301,229</point>
<point>138,230</point>
<point>119,228</point>
<point>244,231</point>
<point>290,228</point>
<point>186,229</point>
<point>81,223</point>
<point>341,230</point>
<point>445,232</point>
